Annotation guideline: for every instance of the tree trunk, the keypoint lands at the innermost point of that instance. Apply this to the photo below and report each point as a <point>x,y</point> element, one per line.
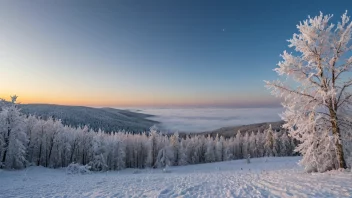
<point>50,151</point>
<point>39,155</point>
<point>7,141</point>
<point>73,151</point>
<point>337,134</point>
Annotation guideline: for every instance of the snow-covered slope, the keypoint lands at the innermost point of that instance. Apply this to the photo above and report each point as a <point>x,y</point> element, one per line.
<point>263,177</point>
<point>107,119</point>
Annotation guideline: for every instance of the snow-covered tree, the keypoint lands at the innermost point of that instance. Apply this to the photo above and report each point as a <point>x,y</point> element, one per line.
<point>219,148</point>
<point>165,157</point>
<point>227,150</point>
<point>238,145</point>
<point>154,146</point>
<point>99,162</point>
<point>277,144</point>
<point>253,148</point>
<point>175,146</point>
<point>182,157</point>
<point>210,153</point>
<point>245,145</point>
<point>269,141</point>
<point>14,137</point>
<point>322,57</point>
<point>260,142</point>
<point>285,145</point>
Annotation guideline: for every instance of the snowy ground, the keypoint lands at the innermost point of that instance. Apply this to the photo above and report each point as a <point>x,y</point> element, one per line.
<point>264,177</point>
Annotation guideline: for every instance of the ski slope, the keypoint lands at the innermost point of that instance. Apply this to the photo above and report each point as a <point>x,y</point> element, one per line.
<point>263,177</point>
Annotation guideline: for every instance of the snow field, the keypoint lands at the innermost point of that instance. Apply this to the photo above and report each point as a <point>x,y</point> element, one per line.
<point>263,177</point>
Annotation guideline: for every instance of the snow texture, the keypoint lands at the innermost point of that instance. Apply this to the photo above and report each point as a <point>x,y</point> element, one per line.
<point>263,177</point>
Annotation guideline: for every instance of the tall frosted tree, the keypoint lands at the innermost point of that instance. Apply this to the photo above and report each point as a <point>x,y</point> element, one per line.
<point>285,145</point>
<point>269,141</point>
<point>154,144</point>
<point>175,146</point>
<point>321,58</point>
<point>99,151</point>
<point>277,144</point>
<point>238,145</point>
<point>253,148</point>
<point>260,142</point>
<point>14,140</point>
<point>245,145</point>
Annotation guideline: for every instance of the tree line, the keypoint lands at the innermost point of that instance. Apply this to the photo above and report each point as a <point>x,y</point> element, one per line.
<point>27,140</point>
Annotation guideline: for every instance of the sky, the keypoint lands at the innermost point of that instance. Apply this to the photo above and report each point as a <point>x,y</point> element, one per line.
<point>148,53</point>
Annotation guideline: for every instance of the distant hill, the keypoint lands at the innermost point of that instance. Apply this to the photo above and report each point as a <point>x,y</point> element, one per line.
<point>108,119</point>
<point>228,132</point>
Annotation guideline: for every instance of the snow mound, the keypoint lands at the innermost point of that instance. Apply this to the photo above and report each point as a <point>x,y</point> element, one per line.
<point>74,169</point>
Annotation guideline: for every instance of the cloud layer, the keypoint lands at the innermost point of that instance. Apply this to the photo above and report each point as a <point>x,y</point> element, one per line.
<point>206,119</point>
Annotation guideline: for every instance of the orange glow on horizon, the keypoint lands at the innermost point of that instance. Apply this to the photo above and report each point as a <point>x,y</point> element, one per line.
<point>114,101</point>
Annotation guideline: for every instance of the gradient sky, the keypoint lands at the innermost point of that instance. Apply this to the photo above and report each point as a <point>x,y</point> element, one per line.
<point>147,53</point>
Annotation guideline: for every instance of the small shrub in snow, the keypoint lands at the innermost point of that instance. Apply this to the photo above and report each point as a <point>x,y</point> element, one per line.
<point>75,168</point>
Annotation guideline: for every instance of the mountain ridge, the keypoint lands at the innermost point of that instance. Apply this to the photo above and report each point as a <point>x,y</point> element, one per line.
<point>106,118</point>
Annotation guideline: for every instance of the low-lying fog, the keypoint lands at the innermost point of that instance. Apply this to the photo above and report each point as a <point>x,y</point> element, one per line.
<point>207,119</point>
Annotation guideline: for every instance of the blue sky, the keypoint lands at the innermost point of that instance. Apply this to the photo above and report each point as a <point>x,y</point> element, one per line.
<point>147,53</point>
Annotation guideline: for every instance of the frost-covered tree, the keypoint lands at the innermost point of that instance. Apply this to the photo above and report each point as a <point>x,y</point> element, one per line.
<point>182,157</point>
<point>154,147</point>
<point>86,145</point>
<point>285,147</point>
<point>269,141</point>
<point>260,142</point>
<point>231,148</point>
<point>277,144</point>
<point>238,145</point>
<point>175,146</point>
<point>245,145</point>
<point>253,148</point>
<point>322,56</point>
<point>99,162</point>
<point>165,157</point>
<point>219,148</point>
<point>14,137</point>
<point>227,150</point>
<point>210,153</point>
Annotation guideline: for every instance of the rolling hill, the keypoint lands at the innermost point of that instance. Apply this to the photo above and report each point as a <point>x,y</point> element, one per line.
<point>108,119</point>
